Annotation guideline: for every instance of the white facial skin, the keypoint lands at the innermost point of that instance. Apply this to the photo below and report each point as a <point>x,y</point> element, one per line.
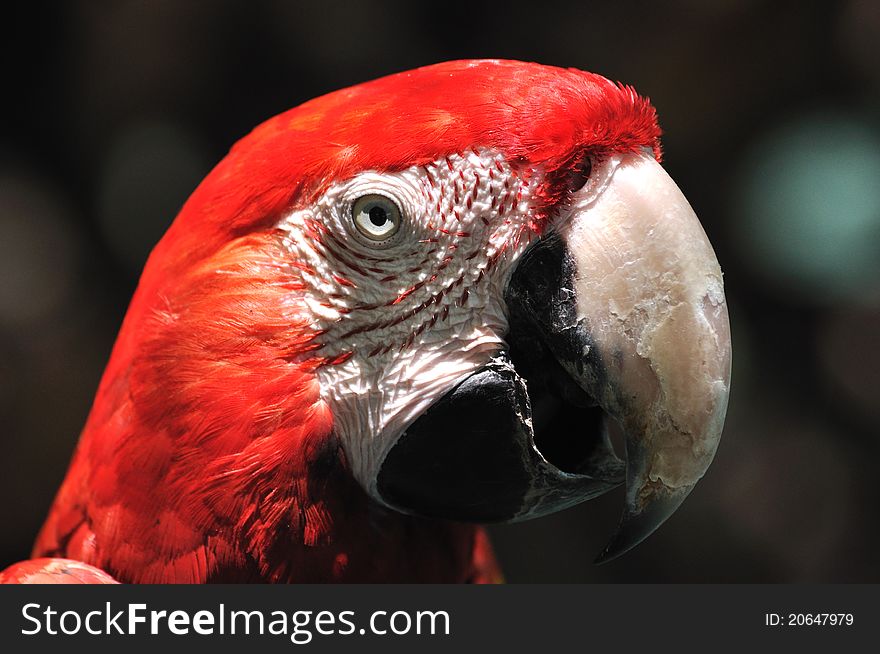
<point>419,313</point>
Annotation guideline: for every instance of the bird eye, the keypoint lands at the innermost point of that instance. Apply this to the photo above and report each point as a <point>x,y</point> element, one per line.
<point>580,174</point>
<point>376,217</point>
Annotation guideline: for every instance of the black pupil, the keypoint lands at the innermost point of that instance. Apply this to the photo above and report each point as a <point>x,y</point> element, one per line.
<point>579,174</point>
<point>378,216</point>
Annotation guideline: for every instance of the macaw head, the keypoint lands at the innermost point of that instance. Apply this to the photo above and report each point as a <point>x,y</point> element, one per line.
<point>465,273</point>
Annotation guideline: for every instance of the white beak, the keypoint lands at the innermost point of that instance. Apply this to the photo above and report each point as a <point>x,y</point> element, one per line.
<point>649,291</point>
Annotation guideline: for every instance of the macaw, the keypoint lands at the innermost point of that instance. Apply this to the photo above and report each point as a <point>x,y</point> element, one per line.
<point>390,315</point>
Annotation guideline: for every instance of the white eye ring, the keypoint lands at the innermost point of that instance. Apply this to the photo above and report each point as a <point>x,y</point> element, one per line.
<point>377,218</point>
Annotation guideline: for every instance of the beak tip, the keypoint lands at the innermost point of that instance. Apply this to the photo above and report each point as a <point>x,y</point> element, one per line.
<point>607,555</point>
<point>635,526</point>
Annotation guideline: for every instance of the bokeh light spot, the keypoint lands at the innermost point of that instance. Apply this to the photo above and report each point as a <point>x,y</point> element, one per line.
<point>39,251</point>
<point>809,207</point>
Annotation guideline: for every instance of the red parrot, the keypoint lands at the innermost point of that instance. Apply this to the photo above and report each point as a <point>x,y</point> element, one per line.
<point>390,315</point>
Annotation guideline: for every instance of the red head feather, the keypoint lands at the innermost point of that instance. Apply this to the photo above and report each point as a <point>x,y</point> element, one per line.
<point>535,114</point>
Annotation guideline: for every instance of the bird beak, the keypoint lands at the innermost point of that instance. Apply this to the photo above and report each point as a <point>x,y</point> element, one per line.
<point>616,314</point>
<point>643,329</point>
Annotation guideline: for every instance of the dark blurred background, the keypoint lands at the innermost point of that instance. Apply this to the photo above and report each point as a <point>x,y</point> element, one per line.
<point>113,111</point>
